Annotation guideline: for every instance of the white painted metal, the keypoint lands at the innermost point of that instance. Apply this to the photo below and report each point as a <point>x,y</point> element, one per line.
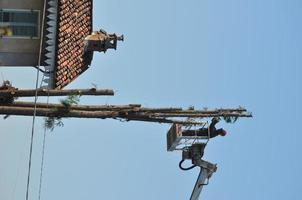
<point>206,171</point>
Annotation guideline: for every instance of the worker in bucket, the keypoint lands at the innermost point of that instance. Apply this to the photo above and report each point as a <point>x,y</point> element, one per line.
<point>209,132</point>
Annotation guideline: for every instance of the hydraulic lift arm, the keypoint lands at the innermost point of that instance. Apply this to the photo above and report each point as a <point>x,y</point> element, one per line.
<point>195,153</point>
<point>206,171</point>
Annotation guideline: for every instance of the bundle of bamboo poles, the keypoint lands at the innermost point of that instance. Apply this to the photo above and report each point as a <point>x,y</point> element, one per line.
<point>131,112</point>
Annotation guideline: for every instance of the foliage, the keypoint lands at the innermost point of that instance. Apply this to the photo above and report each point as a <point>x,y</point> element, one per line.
<point>55,117</point>
<point>52,122</point>
<point>4,100</point>
<point>70,100</point>
<point>229,119</point>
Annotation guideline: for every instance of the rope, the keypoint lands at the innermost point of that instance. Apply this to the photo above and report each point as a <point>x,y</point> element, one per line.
<point>32,136</point>
<point>43,153</point>
<point>35,107</point>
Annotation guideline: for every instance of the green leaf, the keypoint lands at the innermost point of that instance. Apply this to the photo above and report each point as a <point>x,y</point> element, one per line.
<point>55,120</point>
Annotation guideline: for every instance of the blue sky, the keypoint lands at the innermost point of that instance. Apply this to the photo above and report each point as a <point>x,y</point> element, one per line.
<point>176,53</point>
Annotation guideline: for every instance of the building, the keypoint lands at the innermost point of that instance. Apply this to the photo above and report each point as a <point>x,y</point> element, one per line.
<point>20,23</point>
<point>50,33</point>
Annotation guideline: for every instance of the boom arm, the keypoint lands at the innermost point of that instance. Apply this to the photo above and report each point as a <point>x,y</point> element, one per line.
<point>206,171</point>
<point>195,153</point>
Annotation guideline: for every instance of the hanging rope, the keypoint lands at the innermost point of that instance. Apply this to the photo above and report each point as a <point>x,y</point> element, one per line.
<point>32,136</point>
<point>42,159</point>
<point>35,107</point>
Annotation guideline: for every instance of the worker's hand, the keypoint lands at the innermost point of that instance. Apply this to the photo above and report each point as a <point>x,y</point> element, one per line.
<point>222,132</point>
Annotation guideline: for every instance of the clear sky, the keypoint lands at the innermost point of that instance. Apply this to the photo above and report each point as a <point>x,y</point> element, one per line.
<point>176,53</point>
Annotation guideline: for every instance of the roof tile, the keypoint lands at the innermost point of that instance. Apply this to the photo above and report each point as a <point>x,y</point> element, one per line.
<point>74,24</point>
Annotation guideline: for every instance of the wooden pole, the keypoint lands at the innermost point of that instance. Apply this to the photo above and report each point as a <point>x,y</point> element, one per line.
<point>46,112</point>
<point>46,92</point>
<point>134,107</point>
<point>130,112</point>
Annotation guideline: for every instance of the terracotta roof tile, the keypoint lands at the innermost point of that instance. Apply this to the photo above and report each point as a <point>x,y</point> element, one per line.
<point>73,24</point>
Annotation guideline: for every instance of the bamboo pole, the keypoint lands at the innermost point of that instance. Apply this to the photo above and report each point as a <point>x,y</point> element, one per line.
<point>45,92</point>
<point>200,115</point>
<point>47,112</point>
<point>135,107</point>
<point>76,107</point>
<point>132,112</point>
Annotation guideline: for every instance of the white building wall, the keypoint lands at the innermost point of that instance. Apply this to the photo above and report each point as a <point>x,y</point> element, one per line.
<point>20,51</point>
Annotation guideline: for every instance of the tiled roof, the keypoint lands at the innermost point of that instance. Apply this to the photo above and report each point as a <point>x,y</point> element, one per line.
<point>66,56</point>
